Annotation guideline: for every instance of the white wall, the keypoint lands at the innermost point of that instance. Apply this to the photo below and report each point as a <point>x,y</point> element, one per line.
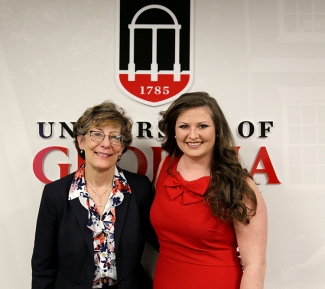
<point>59,57</point>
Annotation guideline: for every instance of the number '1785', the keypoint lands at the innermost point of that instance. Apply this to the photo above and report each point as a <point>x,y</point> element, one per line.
<point>154,89</point>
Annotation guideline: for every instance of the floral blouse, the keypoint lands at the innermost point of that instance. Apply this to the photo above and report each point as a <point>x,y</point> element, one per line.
<point>102,228</point>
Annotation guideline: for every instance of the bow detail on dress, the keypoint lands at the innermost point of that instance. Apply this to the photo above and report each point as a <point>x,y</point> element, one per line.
<point>191,191</point>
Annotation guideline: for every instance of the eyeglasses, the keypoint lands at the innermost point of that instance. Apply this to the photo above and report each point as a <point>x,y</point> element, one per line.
<point>114,138</point>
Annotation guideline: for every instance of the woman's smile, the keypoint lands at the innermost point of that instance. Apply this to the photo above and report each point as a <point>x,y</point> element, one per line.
<point>194,144</point>
<point>101,155</point>
<point>195,132</point>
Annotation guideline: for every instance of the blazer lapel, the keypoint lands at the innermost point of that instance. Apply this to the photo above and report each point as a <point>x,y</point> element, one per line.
<point>82,217</point>
<point>121,212</point>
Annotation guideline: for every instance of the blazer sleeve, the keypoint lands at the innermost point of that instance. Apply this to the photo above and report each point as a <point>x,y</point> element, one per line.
<point>45,256</point>
<point>150,232</point>
<point>145,201</point>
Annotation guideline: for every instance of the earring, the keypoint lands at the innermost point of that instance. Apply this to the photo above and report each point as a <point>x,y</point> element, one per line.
<point>81,151</point>
<point>175,136</point>
<point>119,158</point>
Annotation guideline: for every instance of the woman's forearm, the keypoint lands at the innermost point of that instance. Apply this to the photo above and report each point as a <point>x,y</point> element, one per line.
<point>253,277</point>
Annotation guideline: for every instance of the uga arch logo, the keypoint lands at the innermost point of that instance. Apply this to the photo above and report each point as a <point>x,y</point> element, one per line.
<point>155,49</point>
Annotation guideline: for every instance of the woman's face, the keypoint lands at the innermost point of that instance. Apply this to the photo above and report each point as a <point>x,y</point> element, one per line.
<point>101,155</point>
<point>195,133</point>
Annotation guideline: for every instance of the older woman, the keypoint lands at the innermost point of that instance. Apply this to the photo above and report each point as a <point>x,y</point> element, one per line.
<point>92,224</point>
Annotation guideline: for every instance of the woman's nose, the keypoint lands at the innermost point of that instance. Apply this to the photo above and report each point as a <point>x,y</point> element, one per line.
<point>106,142</point>
<point>193,133</point>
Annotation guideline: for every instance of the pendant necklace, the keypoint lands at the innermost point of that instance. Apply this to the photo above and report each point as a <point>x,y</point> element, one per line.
<point>100,195</point>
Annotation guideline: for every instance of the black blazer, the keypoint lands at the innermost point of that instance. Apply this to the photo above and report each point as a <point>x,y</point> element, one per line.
<point>63,255</point>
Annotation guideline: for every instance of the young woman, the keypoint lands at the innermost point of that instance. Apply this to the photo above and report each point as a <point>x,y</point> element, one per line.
<point>206,205</point>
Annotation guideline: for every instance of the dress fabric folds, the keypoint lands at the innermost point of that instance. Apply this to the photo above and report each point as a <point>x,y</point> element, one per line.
<point>197,250</point>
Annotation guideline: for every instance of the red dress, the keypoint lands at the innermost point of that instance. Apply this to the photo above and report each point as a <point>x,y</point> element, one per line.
<point>197,250</point>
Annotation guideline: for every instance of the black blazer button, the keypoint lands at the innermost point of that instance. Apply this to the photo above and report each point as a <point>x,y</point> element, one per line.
<point>121,281</point>
<point>118,257</point>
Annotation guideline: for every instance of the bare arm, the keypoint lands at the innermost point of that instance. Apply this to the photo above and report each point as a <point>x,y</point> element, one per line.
<point>252,241</point>
<point>158,170</point>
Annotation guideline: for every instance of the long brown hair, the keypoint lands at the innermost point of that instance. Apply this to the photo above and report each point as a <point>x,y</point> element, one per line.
<point>228,183</point>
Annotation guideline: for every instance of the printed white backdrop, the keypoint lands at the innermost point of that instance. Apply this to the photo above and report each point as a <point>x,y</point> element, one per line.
<point>262,61</point>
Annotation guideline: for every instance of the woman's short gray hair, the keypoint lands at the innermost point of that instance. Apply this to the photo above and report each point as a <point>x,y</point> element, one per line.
<point>106,113</point>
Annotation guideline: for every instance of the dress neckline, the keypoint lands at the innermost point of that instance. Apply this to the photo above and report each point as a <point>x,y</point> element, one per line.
<point>174,172</point>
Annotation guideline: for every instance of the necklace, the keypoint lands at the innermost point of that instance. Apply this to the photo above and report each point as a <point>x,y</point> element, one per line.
<point>100,195</point>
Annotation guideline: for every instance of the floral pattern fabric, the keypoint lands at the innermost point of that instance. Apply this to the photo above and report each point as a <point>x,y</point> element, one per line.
<point>102,227</point>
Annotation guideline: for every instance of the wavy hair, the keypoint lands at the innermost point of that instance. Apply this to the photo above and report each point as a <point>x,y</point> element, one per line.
<point>106,113</point>
<point>228,185</point>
